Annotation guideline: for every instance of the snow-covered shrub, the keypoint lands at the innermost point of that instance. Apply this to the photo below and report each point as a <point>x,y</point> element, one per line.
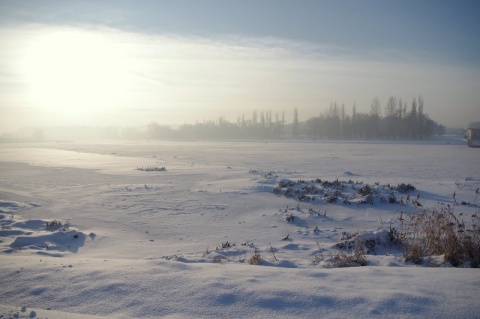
<point>405,188</point>
<point>218,259</point>
<point>346,192</point>
<point>53,223</point>
<point>366,190</point>
<point>152,169</point>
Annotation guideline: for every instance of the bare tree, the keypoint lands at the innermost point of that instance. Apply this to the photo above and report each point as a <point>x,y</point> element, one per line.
<point>342,120</point>
<point>412,119</point>
<point>375,113</point>
<point>269,119</point>
<point>391,106</point>
<point>375,107</point>
<point>295,123</point>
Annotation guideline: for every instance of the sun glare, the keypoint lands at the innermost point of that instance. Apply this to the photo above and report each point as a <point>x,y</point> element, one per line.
<point>69,70</point>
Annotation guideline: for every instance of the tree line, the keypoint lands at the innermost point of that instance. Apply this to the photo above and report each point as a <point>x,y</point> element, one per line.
<point>261,125</point>
<point>396,120</point>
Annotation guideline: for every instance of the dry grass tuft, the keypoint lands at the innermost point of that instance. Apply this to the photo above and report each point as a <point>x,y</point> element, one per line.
<point>441,232</point>
<point>256,259</point>
<point>343,260</point>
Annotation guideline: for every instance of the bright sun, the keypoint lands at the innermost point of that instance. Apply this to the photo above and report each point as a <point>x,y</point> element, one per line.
<point>71,71</point>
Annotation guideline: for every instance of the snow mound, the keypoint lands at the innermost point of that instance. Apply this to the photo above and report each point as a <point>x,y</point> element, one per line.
<point>44,237</point>
<point>13,207</point>
<point>368,242</point>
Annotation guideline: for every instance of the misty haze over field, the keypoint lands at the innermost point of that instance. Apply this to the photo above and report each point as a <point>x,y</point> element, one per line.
<point>131,63</point>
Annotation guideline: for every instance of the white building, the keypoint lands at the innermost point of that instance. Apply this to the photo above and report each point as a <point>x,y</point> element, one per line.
<point>473,137</point>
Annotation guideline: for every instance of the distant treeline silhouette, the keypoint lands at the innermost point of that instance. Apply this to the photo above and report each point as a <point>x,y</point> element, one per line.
<point>398,121</point>
<point>262,125</point>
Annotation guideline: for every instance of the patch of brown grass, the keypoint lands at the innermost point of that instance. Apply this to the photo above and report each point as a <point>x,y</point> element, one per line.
<point>441,232</point>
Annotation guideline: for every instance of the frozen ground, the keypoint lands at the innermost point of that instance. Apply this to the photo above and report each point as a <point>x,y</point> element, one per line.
<point>84,233</point>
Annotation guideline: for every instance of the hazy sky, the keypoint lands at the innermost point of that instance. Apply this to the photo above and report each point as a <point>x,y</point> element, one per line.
<point>173,62</point>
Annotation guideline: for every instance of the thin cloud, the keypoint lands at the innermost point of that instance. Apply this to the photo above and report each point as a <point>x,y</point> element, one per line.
<point>205,77</point>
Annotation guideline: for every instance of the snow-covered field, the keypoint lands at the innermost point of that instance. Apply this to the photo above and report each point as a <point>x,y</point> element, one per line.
<point>85,233</point>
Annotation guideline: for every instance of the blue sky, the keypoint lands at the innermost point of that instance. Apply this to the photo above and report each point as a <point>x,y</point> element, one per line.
<point>438,29</point>
<point>352,50</point>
